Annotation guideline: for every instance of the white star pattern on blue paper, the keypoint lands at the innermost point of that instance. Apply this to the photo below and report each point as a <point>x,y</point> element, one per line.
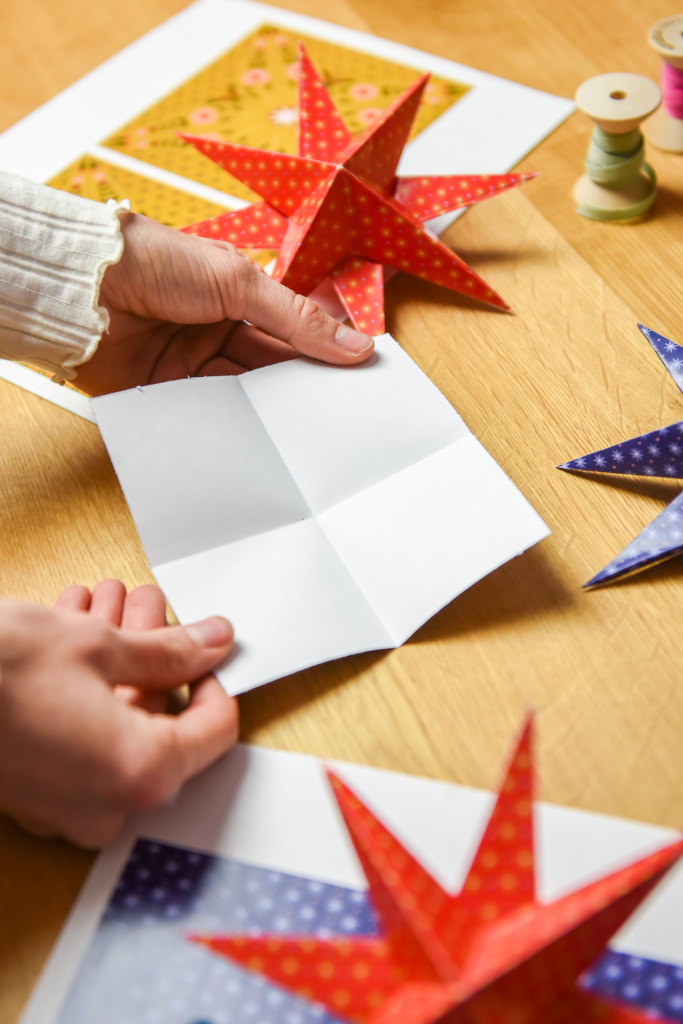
<point>646,984</point>
<point>141,968</point>
<point>643,456</point>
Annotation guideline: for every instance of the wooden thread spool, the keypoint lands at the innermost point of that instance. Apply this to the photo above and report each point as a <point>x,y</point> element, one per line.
<point>665,128</point>
<point>618,184</point>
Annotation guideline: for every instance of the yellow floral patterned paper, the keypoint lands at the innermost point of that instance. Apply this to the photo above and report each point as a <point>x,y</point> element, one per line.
<point>95,179</point>
<point>44,373</point>
<point>99,180</point>
<point>249,96</point>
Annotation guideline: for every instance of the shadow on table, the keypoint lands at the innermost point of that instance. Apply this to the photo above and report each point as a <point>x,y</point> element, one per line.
<point>404,291</point>
<point>660,489</point>
<point>669,570</point>
<point>668,199</point>
<point>521,589</point>
<point>260,707</point>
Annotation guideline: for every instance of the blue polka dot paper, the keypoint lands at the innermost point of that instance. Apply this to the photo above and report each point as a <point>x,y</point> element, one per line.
<point>643,984</point>
<point>141,969</point>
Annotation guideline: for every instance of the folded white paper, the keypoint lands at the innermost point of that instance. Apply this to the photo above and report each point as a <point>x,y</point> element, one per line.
<point>324,511</point>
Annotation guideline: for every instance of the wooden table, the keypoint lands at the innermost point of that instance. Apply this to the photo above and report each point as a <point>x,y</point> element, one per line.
<point>567,374</point>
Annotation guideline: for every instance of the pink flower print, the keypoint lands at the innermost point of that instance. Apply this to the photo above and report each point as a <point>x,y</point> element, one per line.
<point>260,43</point>
<point>141,132</point>
<point>100,177</point>
<point>433,94</point>
<point>256,76</point>
<point>77,181</point>
<point>280,39</point>
<point>363,91</point>
<point>204,115</point>
<point>292,71</point>
<point>368,115</point>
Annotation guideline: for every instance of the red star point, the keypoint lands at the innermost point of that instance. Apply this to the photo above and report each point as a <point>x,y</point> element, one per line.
<point>338,205</point>
<point>489,955</point>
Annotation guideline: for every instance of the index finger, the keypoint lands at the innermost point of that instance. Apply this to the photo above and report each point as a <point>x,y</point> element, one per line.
<point>144,608</point>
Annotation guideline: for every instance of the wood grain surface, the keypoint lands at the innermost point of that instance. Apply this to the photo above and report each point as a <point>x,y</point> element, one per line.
<point>567,373</point>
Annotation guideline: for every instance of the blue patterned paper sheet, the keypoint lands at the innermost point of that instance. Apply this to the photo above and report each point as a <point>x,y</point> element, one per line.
<point>661,539</point>
<point>668,351</point>
<point>141,968</point>
<point>646,984</point>
<point>659,453</point>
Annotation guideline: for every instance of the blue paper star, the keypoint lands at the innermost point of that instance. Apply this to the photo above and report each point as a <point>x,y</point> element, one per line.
<point>658,453</point>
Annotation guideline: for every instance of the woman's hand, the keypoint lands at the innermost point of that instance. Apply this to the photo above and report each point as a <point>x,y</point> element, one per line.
<point>82,737</point>
<point>178,306</point>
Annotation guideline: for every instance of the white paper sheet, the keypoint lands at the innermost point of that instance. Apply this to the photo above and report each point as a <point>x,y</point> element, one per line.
<point>489,130</point>
<point>324,511</point>
<point>275,810</point>
<point>57,394</point>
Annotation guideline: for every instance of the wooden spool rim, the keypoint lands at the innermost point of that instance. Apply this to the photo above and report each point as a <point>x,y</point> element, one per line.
<point>666,38</point>
<point>618,101</point>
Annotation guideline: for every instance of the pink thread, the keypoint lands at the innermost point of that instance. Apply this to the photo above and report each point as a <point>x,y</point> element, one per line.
<point>672,90</point>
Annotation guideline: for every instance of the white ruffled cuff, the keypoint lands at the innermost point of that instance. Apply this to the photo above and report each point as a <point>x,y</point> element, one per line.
<point>54,250</point>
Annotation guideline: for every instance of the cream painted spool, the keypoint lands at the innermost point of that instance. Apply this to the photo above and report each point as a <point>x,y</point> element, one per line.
<point>662,129</point>
<point>616,102</point>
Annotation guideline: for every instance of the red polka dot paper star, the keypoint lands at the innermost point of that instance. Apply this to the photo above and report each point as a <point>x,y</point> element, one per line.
<point>337,208</point>
<point>490,955</point>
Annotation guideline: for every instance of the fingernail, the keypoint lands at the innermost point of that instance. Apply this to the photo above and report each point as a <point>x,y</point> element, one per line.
<point>352,341</point>
<point>213,632</point>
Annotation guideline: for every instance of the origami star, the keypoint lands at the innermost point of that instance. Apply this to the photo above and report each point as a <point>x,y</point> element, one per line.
<point>338,209</point>
<point>490,955</point>
<point>657,453</point>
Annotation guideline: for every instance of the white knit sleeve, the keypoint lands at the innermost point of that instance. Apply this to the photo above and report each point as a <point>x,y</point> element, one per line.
<point>54,249</point>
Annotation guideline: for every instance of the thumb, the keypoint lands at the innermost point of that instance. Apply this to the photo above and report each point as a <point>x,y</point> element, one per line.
<point>300,321</point>
<point>164,658</point>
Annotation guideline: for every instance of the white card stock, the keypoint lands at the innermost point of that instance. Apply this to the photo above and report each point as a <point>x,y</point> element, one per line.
<point>324,511</point>
<point>489,130</point>
<point>276,811</point>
